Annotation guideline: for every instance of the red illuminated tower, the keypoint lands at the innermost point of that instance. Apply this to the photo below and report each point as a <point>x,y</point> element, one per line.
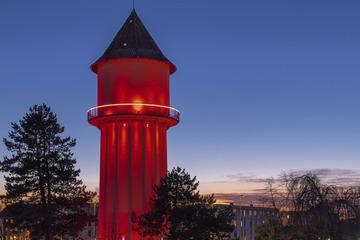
<point>133,116</point>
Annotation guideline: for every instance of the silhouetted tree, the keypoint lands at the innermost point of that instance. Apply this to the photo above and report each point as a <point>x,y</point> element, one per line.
<point>319,211</point>
<point>273,229</point>
<point>43,191</point>
<point>179,212</point>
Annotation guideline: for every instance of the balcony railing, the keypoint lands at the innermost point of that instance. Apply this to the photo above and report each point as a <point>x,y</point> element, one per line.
<point>133,109</point>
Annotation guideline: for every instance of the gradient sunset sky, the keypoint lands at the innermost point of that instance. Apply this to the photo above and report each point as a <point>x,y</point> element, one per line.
<point>262,86</point>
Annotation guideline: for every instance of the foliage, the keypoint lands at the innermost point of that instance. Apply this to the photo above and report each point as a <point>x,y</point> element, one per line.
<point>319,211</point>
<point>274,230</point>
<point>179,212</point>
<point>43,191</point>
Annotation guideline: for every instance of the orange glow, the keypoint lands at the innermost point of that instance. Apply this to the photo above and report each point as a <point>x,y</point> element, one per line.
<point>138,108</point>
<point>137,104</point>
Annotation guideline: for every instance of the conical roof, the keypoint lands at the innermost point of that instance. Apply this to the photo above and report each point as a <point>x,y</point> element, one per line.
<point>133,41</point>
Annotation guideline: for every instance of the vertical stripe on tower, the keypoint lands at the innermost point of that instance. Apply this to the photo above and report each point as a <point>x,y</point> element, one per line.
<point>129,180</point>
<point>143,165</point>
<point>102,204</point>
<point>116,183</point>
<point>155,155</point>
<point>123,158</point>
<point>110,161</point>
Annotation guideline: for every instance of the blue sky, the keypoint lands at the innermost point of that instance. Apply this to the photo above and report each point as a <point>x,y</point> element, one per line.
<point>263,86</point>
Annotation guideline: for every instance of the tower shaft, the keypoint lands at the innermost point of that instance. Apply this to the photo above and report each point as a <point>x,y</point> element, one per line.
<point>133,159</point>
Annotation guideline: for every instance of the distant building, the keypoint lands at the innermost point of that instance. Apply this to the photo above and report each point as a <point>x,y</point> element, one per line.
<point>247,219</point>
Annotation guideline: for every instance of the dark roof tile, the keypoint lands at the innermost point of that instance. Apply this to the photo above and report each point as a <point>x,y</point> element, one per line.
<point>133,40</point>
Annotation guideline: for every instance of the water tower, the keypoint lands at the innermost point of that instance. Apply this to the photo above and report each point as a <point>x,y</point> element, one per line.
<point>133,114</point>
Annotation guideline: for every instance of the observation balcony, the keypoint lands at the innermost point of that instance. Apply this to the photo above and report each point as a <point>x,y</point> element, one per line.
<point>134,109</point>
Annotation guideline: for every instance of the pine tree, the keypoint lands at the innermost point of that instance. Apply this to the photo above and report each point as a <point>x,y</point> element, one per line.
<point>179,212</point>
<point>43,191</point>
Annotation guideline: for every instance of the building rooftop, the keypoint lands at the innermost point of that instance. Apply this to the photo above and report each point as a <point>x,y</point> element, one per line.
<point>133,41</point>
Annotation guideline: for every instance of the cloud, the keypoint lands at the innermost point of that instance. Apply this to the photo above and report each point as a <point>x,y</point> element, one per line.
<point>256,199</point>
<point>335,176</point>
<point>327,172</point>
<point>249,178</point>
<point>257,195</point>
